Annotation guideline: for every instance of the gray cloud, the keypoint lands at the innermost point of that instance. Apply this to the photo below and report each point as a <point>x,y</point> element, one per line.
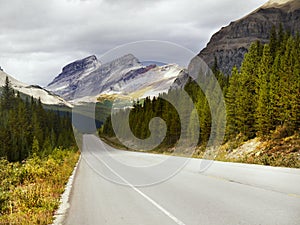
<point>39,37</point>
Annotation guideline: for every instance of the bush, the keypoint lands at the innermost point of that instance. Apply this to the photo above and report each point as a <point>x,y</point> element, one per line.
<point>281,132</point>
<point>30,191</point>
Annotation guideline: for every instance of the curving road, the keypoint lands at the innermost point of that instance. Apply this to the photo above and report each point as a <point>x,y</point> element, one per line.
<point>127,188</point>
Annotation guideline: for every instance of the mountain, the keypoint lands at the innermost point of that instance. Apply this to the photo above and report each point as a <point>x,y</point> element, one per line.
<point>36,91</point>
<point>230,44</point>
<point>84,80</point>
<point>67,81</point>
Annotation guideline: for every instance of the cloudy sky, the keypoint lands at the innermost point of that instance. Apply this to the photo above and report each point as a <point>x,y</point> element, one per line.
<point>39,37</point>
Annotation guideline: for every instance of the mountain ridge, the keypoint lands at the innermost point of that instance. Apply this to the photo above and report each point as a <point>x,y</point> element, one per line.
<point>35,91</point>
<point>124,76</point>
<point>229,45</point>
<point>89,63</point>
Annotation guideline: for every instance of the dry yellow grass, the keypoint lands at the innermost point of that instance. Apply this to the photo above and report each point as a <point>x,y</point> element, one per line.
<point>30,192</point>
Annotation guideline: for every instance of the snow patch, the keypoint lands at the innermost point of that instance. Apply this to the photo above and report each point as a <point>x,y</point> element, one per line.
<point>276,2</point>
<point>35,91</point>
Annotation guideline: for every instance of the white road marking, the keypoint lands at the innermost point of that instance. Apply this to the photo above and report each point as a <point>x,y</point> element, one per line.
<point>61,212</point>
<point>167,213</point>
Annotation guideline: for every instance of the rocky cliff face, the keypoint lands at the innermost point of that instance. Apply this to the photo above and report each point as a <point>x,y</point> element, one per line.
<point>86,76</point>
<point>89,63</point>
<point>181,80</point>
<point>230,44</point>
<point>71,74</point>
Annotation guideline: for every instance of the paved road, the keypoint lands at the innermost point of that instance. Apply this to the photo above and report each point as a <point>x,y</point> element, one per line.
<point>117,187</point>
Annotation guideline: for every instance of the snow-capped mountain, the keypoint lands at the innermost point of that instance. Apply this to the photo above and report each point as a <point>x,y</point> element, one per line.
<point>66,82</point>
<point>87,79</point>
<point>36,91</point>
<point>146,81</point>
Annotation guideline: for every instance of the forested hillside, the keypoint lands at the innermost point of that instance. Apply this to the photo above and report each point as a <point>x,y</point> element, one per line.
<point>37,156</point>
<point>262,98</point>
<point>265,94</point>
<point>27,128</point>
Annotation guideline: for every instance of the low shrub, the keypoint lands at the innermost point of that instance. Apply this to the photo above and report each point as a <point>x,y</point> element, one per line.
<point>30,191</point>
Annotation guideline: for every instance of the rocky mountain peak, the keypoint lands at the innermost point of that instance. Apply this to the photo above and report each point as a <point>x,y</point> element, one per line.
<point>80,64</point>
<point>122,76</point>
<point>230,44</point>
<point>85,63</point>
<point>77,67</point>
<point>88,71</point>
<point>128,59</point>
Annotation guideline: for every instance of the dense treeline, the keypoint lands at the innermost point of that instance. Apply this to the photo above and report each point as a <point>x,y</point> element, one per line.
<point>264,95</point>
<point>140,116</point>
<point>181,117</point>
<point>26,128</point>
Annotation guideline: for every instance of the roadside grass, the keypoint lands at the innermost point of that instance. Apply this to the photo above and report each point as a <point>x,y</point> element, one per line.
<point>273,151</point>
<point>30,191</point>
<point>281,152</point>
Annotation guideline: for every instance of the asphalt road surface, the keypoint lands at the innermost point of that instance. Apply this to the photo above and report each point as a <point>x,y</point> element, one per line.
<point>118,187</point>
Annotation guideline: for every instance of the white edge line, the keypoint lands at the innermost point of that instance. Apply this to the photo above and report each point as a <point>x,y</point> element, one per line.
<point>170,215</point>
<point>61,212</point>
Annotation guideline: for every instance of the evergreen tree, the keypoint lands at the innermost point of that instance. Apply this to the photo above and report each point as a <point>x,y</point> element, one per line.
<point>263,119</point>
<point>232,94</point>
<point>26,126</point>
<point>273,42</point>
<point>246,101</point>
<point>274,95</point>
<point>7,95</point>
<point>35,146</point>
<point>285,82</point>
